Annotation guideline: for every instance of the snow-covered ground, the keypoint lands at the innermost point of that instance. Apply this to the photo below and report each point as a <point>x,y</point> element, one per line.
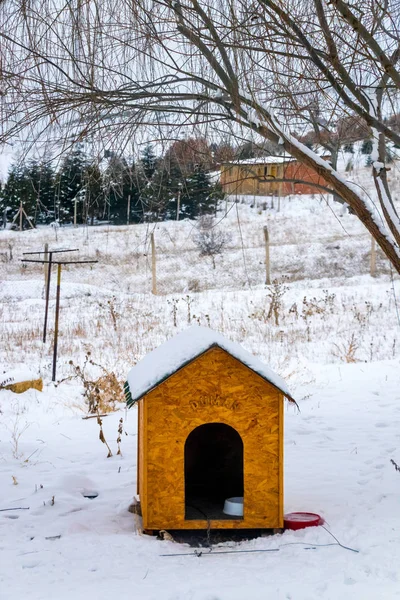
<point>334,337</point>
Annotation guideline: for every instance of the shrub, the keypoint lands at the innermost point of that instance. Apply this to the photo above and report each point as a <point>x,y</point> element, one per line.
<point>210,241</point>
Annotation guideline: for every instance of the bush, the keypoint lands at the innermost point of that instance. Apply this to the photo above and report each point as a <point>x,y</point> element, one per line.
<point>210,241</point>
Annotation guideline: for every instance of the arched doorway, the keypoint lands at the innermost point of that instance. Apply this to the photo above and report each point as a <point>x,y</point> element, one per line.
<point>213,470</point>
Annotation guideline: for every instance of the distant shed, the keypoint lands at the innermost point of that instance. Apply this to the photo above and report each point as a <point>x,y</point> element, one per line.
<point>262,177</point>
<point>210,428</point>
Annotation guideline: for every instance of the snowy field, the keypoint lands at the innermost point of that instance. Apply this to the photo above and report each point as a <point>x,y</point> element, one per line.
<point>334,336</point>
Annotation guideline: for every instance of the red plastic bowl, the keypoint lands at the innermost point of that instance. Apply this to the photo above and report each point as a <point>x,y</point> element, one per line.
<point>300,520</point>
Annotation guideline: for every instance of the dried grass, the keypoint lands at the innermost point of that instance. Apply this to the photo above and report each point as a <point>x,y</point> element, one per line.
<point>346,351</point>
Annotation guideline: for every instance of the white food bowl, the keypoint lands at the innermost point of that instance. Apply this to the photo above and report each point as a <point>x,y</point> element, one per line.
<point>234,506</point>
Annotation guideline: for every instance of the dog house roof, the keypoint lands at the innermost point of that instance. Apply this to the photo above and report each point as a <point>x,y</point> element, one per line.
<point>180,350</point>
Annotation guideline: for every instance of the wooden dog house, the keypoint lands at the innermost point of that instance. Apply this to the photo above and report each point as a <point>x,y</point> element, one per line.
<point>210,428</point>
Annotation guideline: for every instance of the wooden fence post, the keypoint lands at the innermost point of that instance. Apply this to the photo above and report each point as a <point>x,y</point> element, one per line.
<point>178,205</point>
<point>153,265</point>
<point>267,261</point>
<point>128,210</point>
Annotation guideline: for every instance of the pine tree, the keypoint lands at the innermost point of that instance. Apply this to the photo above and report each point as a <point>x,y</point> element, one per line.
<point>366,147</point>
<point>70,186</point>
<point>46,191</point>
<point>21,187</point>
<point>122,183</point>
<point>168,188</point>
<point>93,198</point>
<point>148,162</point>
<point>10,194</point>
<point>31,189</point>
<point>175,193</point>
<point>201,196</point>
<point>349,148</point>
<point>132,184</point>
<point>159,194</point>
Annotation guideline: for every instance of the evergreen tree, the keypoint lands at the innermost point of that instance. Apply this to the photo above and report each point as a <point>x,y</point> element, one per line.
<point>168,188</point>
<point>366,147</point>
<point>148,162</point>
<point>159,195</point>
<point>122,183</point>
<point>93,198</point>
<point>46,192</point>
<point>175,193</point>
<point>201,196</point>
<point>21,186</point>
<point>349,148</point>
<point>31,189</point>
<point>70,186</point>
<point>10,197</point>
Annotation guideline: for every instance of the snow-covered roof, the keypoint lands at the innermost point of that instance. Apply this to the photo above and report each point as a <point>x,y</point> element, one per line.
<point>180,350</point>
<point>261,160</point>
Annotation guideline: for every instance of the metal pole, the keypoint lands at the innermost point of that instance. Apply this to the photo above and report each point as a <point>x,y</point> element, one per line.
<point>20,216</point>
<point>46,267</point>
<point>46,310</point>
<point>56,321</point>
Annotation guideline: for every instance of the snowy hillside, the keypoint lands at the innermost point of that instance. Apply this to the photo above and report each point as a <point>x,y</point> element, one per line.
<point>333,334</point>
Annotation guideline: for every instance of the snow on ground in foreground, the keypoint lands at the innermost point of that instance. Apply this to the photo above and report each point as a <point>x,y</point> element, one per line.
<point>334,338</point>
<point>337,453</point>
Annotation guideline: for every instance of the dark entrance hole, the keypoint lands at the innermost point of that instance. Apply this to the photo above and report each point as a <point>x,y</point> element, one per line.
<point>213,470</point>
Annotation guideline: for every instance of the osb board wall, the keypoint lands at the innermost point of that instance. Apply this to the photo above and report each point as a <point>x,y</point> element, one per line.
<point>213,388</point>
<point>250,179</point>
<point>23,386</point>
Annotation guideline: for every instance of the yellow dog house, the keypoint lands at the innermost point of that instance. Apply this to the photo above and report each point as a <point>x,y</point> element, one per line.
<point>210,431</point>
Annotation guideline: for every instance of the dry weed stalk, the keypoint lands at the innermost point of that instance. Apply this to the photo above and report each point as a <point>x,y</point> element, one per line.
<point>275,293</point>
<point>396,466</point>
<point>120,432</point>
<point>16,431</point>
<point>346,352</point>
<point>188,301</point>
<point>119,437</point>
<point>174,303</point>
<point>101,394</point>
<point>101,436</point>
